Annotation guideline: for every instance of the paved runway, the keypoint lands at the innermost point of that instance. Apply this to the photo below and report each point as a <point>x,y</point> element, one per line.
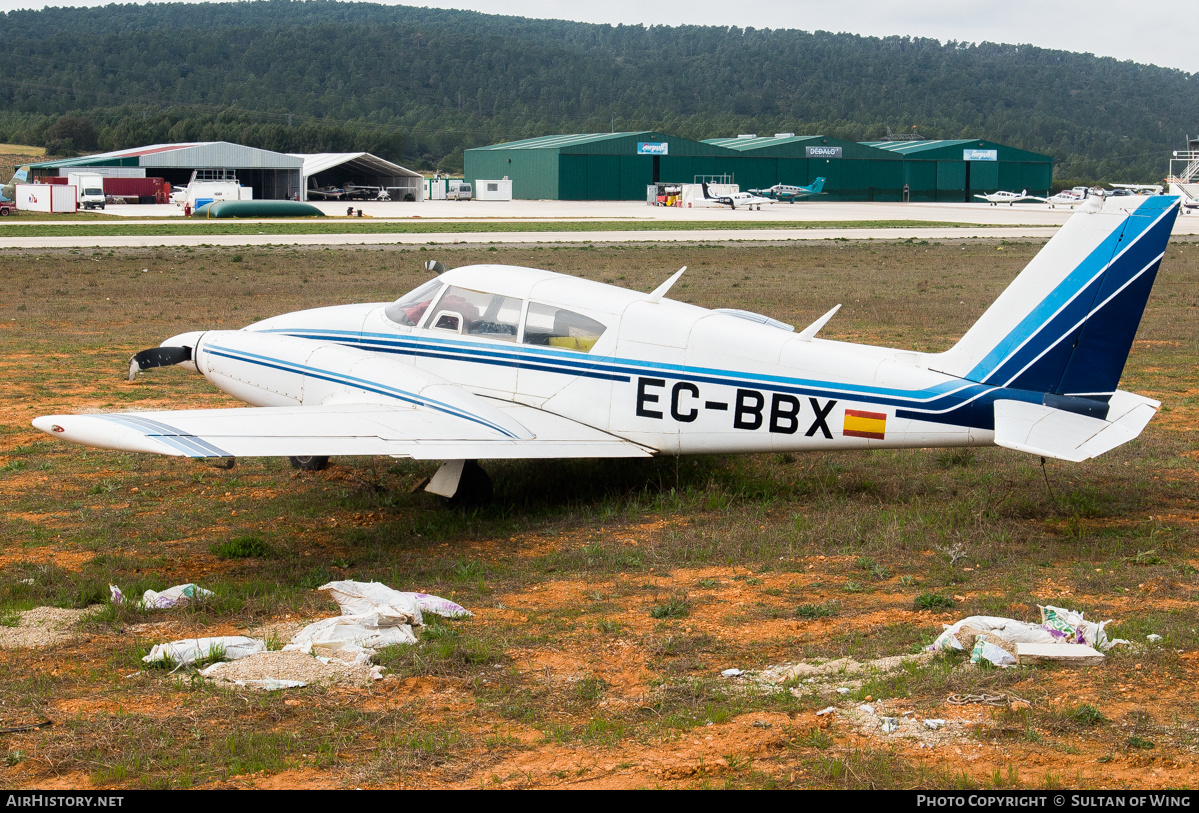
<point>704,236</point>
<point>1023,221</point>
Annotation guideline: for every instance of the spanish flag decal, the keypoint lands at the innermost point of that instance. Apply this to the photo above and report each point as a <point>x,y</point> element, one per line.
<point>859,424</point>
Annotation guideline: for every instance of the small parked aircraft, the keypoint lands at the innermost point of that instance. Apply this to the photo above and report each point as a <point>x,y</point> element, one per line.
<point>996,198</point>
<point>327,192</point>
<point>743,199</point>
<point>789,193</point>
<point>358,192</point>
<point>492,361</point>
<point>1067,197</point>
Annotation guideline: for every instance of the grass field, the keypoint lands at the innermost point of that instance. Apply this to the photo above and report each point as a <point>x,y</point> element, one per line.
<point>609,596</point>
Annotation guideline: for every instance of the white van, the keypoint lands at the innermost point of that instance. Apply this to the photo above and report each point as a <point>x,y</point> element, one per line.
<point>459,190</point>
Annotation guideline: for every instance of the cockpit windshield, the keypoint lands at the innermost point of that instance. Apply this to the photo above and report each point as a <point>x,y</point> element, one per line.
<point>408,309</point>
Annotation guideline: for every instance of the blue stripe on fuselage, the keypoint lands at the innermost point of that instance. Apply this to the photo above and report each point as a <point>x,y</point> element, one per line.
<point>947,403</point>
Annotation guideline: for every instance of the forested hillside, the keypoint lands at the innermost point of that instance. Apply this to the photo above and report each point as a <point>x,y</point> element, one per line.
<point>420,85</point>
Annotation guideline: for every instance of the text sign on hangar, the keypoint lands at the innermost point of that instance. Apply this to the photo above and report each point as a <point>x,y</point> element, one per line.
<point>822,152</point>
<point>653,148</point>
<point>980,155</point>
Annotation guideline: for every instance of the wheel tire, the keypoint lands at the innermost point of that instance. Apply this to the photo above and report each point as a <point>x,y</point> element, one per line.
<point>310,463</point>
<point>4,211</point>
<point>474,487</point>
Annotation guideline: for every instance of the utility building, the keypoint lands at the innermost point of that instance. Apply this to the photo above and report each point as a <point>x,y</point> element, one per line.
<point>272,175</point>
<point>957,170</point>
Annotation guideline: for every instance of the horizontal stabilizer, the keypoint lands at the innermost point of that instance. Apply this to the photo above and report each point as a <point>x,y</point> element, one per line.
<point>1043,430</point>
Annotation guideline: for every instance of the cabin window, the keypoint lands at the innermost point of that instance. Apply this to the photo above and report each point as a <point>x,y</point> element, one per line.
<point>408,309</point>
<point>557,327</point>
<point>489,316</point>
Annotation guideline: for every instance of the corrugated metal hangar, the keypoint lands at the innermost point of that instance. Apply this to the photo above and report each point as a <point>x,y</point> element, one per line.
<point>271,175</point>
<point>361,169</point>
<point>619,166</point>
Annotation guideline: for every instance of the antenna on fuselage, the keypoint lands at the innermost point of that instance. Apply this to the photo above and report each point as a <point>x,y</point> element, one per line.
<point>434,267</point>
<point>656,295</point>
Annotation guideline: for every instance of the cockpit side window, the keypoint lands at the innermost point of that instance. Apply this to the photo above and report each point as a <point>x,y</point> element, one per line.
<point>490,316</point>
<point>408,309</point>
<point>557,327</point>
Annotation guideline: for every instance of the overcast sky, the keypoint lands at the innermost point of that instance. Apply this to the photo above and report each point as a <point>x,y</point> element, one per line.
<point>1150,31</point>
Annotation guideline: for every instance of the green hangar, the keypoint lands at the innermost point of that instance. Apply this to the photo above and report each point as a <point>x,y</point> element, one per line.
<point>619,166</point>
<point>958,169</point>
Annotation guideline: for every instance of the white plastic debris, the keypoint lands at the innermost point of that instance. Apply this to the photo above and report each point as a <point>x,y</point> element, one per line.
<point>229,648</point>
<point>171,597</point>
<point>985,650</point>
<point>828,710</point>
<point>934,724</point>
<point>844,690</point>
<point>889,724</point>
<point>1153,637</point>
<point>730,673</point>
<point>373,616</point>
<point>1057,625</point>
<point>353,638</point>
<point>867,708</point>
<point>356,598</point>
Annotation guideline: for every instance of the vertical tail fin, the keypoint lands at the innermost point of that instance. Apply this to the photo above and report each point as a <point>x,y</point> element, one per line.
<point>9,191</point>
<point>816,186</point>
<point>1066,324</point>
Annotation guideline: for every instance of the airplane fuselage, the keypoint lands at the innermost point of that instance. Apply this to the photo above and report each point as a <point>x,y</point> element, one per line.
<point>673,377</point>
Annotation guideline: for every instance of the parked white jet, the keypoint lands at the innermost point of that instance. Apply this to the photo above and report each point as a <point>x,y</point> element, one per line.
<point>996,198</point>
<point>503,362</point>
<point>789,193</point>
<point>743,199</point>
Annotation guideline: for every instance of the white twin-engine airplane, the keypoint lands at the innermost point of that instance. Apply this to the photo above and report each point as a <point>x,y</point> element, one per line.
<point>996,198</point>
<point>491,361</point>
<point>735,199</point>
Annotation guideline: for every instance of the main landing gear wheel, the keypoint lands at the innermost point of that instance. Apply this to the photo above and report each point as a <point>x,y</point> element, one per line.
<point>310,463</point>
<point>474,487</point>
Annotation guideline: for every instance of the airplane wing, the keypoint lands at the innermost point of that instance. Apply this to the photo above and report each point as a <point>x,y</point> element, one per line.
<point>419,433</point>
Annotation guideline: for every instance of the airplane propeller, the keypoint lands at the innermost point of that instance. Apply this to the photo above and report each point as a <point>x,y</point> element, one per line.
<point>157,357</point>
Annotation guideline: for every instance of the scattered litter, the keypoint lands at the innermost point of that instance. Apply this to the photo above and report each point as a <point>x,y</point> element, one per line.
<point>229,647</point>
<point>844,690</point>
<point>828,710</point>
<point>730,673</point>
<point>934,725</point>
<point>867,708</point>
<point>175,596</point>
<point>1153,637</point>
<point>996,639</point>
<point>889,724</point>
<point>337,649</point>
